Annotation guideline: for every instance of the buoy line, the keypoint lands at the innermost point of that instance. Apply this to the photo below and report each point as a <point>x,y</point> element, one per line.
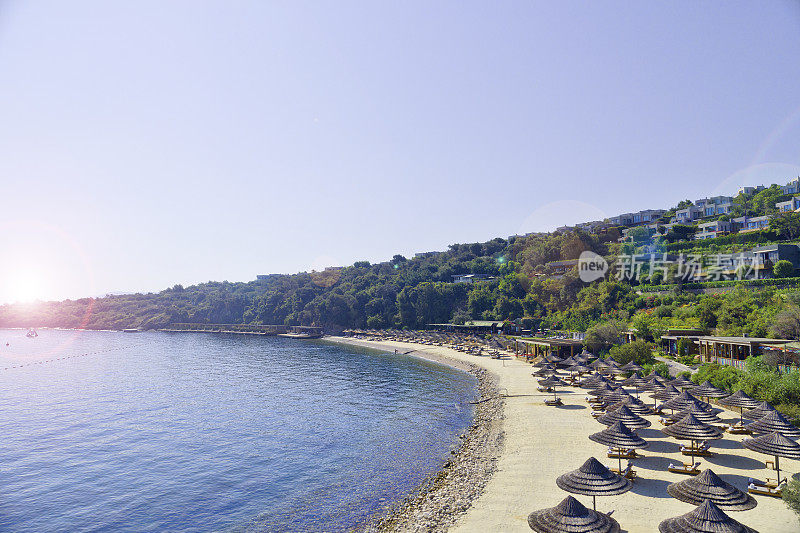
<point>64,358</point>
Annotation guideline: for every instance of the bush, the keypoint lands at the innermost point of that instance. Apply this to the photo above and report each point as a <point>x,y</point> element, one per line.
<point>783,269</point>
<point>721,376</point>
<point>791,495</point>
<point>637,351</point>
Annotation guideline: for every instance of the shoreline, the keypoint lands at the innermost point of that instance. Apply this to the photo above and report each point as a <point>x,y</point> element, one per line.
<point>539,443</point>
<point>444,496</point>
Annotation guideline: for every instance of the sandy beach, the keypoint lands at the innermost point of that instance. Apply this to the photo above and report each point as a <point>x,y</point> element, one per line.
<point>539,443</point>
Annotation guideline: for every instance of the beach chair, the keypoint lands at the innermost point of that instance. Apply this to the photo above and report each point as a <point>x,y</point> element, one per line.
<point>689,470</point>
<point>702,452</point>
<point>628,472</point>
<point>622,453</point>
<point>553,402</point>
<point>738,429</point>
<point>768,487</point>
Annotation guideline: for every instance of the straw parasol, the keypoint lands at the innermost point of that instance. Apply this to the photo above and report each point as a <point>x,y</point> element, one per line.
<point>707,390</point>
<point>690,428</point>
<point>684,401</point>
<point>709,486</point>
<point>570,516</point>
<point>631,367</point>
<point>602,390</point>
<point>593,479</point>
<point>626,416</point>
<point>774,421</point>
<point>620,436</point>
<point>758,412</point>
<point>707,518</point>
<point>741,400</point>
<point>681,382</point>
<point>664,394</point>
<point>706,417</point>
<point>593,381</point>
<point>653,383</point>
<point>547,370</point>
<point>776,445</point>
<point>598,364</point>
<point>553,382</point>
<point>580,368</point>
<point>617,396</point>
<point>634,404</point>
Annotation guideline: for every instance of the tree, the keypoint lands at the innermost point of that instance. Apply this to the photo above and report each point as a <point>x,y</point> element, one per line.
<point>783,269</point>
<point>680,232</point>
<point>600,336</point>
<point>786,225</point>
<point>791,495</point>
<point>637,351</point>
<point>787,323</point>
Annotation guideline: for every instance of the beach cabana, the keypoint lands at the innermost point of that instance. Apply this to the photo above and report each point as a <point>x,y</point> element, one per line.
<point>570,516</point>
<point>619,436</point>
<point>691,429</point>
<point>593,479</point>
<point>772,422</point>
<point>776,445</point>
<point>706,518</point>
<point>626,416</point>
<point>709,486</point>
<point>742,401</point>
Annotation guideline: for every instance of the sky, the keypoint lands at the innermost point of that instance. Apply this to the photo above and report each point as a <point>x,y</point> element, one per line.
<point>149,143</point>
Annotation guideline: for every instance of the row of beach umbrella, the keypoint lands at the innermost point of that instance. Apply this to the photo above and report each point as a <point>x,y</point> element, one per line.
<point>690,419</point>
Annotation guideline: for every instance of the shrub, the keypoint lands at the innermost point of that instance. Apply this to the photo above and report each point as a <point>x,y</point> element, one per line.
<point>791,495</point>
<point>637,351</point>
<point>783,269</point>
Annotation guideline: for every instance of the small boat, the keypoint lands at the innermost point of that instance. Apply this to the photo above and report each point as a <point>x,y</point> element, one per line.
<point>31,333</point>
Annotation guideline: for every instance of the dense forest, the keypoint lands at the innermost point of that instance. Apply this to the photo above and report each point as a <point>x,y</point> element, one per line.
<point>523,286</point>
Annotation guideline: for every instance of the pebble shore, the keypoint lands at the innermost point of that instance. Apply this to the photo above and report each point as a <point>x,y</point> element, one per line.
<point>441,500</point>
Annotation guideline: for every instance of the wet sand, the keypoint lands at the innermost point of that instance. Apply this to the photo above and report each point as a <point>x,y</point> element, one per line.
<point>540,443</point>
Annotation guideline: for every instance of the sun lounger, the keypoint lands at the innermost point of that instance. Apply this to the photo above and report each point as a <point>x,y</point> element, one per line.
<point>691,470</point>
<point>768,487</point>
<point>737,429</point>
<point>697,453</point>
<point>553,402</point>
<point>626,472</point>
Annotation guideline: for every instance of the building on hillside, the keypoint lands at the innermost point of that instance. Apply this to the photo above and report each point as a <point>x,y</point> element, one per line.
<point>767,256</point>
<point>425,254</point>
<point>750,224</point>
<point>671,339</point>
<point>687,215</point>
<point>470,278</point>
<point>733,351</point>
<point>716,205</point>
<point>750,190</point>
<point>785,356</point>
<point>559,268</point>
<point>793,187</point>
<point>640,217</point>
<point>550,346</point>
<point>710,230</point>
<point>472,326</point>
<point>789,205</point>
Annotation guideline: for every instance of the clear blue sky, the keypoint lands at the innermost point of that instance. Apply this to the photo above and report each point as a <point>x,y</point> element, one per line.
<point>152,143</point>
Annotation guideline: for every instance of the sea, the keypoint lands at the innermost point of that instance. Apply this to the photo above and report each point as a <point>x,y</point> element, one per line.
<point>156,431</point>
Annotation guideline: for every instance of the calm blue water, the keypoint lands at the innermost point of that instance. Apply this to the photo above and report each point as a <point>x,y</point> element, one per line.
<point>198,432</point>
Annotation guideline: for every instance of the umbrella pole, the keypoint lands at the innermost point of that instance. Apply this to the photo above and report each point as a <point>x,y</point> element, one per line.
<point>594,502</point>
<point>619,458</point>
<point>691,453</point>
<point>778,469</point>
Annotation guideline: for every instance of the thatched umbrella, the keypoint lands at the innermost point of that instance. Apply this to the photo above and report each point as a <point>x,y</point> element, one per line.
<point>741,400</point>
<point>634,404</point>
<point>626,416</point>
<point>706,417</point>
<point>593,479</point>
<point>547,370</point>
<point>618,435</point>
<point>776,445</point>
<point>707,518</point>
<point>593,381</point>
<point>653,383</point>
<point>664,394</point>
<point>570,516</point>
<point>709,486</point>
<point>553,382</point>
<point>772,422</point>
<point>632,367</point>
<point>602,390</point>
<point>758,412</point>
<point>598,364</point>
<point>616,396</point>
<point>681,382</point>
<point>684,401</point>
<point>580,368</point>
<point>707,390</point>
<point>691,429</point>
